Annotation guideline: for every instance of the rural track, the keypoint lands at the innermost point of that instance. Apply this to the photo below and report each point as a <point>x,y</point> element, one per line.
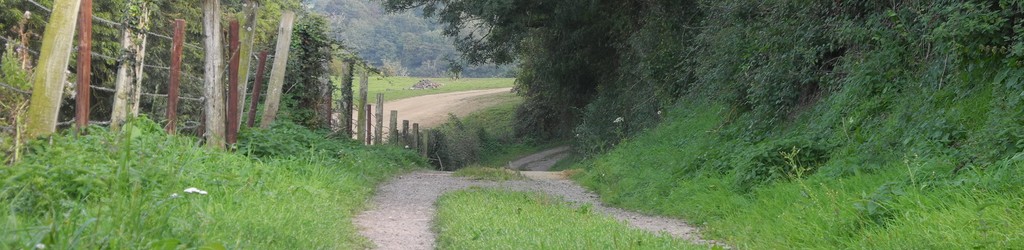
<point>402,212</point>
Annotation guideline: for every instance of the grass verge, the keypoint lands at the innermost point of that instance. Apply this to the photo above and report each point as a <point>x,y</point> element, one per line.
<point>489,174</point>
<point>130,190</point>
<point>493,219</point>
<point>690,167</point>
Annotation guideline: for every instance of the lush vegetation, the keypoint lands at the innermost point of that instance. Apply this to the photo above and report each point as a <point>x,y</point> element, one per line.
<point>285,188</point>
<point>494,219</point>
<point>784,124</point>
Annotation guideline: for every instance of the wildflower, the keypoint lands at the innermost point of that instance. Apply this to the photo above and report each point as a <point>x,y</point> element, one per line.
<point>577,135</point>
<point>406,146</point>
<point>40,246</point>
<point>618,120</point>
<point>175,195</point>
<point>659,112</point>
<point>193,190</point>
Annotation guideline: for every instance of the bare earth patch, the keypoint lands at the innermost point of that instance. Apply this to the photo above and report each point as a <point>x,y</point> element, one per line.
<point>402,213</point>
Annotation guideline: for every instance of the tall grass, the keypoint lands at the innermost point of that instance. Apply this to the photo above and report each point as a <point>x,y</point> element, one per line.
<point>497,219</point>
<point>127,191</point>
<point>691,168</point>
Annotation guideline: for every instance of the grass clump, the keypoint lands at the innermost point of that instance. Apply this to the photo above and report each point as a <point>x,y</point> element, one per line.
<point>495,219</point>
<point>128,191</point>
<point>489,174</point>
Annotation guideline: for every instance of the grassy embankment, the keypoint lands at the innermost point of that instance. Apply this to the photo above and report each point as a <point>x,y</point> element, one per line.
<point>395,88</point>
<point>287,188</point>
<point>493,219</point>
<point>829,179</point>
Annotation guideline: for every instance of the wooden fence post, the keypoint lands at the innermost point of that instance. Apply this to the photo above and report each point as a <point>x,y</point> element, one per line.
<point>257,86</point>
<point>369,123</point>
<point>213,89</point>
<point>247,37</point>
<point>173,89</point>
<point>378,132</point>
<point>393,129</point>
<point>346,99</point>
<point>284,41</point>
<point>405,133</point>
<point>416,137</point>
<point>84,65</point>
<point>426,144</point>
<point>231,127</point>
<point>48,85</point>
<point>363,83</point>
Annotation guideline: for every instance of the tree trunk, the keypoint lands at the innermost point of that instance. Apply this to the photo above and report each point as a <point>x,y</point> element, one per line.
<point>245,53</point>
<point>213,90</point>
<point>50,74</point>
<point>284,41</point>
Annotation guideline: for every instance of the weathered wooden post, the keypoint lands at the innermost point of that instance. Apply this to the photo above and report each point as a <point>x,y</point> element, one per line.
<point>284,41</point>
<point>257,86</point>
<point>426,144</point>
<point>213,89</point>
<point>416,137</point>
<point>84,65</point>
<point>128,83</point>
<point>363,82</point>
<point>369,123</point>
<point>173,89</point>
<point>378,132</point>
<point>231,127</point>
<point>405,133</point>
<point>48,85</point>
<point>393,128</point>
<point>247,37</point>
<point>345,104</point>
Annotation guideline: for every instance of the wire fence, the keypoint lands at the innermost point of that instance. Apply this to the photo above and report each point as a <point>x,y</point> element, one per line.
<point>154,76</point>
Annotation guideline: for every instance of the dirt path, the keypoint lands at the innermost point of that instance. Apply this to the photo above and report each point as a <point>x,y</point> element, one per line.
<point>402,212</point>
<point>540,161</point>
<point>432,110</point>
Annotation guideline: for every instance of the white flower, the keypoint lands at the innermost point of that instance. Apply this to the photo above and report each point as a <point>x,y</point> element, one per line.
<point>175,195</point>
<point>406,146</point>
<point>618,120</point>
<point>659,112</point>
<point>577,135</point>
<point>40,246</point>
<point>193,190</point>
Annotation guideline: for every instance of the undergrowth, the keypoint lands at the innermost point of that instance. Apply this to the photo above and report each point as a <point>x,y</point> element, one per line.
<point>132,190</point>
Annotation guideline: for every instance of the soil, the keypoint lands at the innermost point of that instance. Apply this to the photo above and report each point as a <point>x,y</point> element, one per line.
<point>402,213</point>
<point>432,110</point>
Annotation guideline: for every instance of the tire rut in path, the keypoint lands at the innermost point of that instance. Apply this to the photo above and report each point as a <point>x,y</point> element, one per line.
<point>402,213</point>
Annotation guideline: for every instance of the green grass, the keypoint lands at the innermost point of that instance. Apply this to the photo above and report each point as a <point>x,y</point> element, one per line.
<point>689,167</point>
<point>126,191</point>
<point>493,219</point>
<point>490,174</point>
<point>395,88</point>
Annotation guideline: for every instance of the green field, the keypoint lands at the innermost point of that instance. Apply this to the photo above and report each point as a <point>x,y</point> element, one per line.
<point>395,88</point>
<point>494,219</point>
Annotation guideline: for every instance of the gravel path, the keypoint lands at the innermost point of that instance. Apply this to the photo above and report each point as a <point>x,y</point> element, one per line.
<point>403,210</point>
<point>540,161</point>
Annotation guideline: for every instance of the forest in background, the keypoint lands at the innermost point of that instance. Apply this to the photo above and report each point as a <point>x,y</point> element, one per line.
<point>399,44</point>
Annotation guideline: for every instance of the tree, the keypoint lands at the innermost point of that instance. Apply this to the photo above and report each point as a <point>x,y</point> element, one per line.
<point>128,85</point>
